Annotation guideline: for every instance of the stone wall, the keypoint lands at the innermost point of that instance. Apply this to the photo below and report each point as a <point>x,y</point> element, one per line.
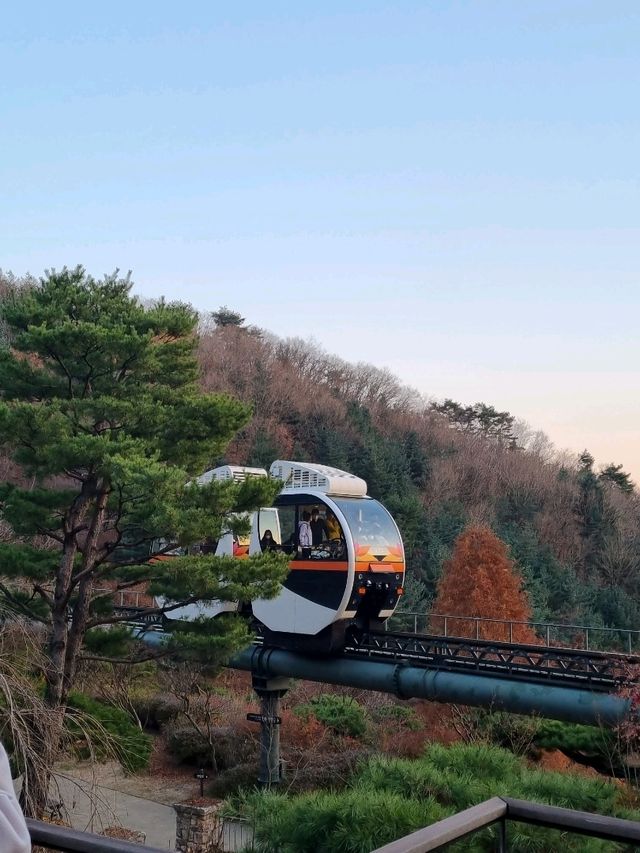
<point>198,829</point>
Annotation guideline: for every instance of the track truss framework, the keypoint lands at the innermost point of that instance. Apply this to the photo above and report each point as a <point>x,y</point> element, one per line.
<point>601,671</point>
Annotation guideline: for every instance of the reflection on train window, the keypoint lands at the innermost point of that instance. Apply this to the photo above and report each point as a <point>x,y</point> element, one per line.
<point>369,522</point>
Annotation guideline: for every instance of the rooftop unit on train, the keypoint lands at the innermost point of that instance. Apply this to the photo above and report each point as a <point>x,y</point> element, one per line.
<point>237,473</point>
<point>298,476</point>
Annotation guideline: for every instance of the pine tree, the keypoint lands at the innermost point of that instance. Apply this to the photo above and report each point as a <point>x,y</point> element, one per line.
<point>594,515</point>
<point>101,410</point>
<point>481,581</point>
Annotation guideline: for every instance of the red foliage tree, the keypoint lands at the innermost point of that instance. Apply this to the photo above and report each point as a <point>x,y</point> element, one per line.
<point>481,581</point>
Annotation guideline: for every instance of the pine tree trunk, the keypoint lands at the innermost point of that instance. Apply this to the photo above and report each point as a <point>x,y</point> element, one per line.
<point>64,646</point>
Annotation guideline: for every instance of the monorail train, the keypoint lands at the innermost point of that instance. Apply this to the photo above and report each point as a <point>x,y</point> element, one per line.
<point>349,576</point>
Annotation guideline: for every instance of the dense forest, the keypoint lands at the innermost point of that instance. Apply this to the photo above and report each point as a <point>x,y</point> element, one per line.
<point>572,528</point>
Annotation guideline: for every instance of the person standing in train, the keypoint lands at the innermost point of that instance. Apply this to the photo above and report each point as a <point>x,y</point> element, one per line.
<point>305,536</point>
<point>334,531</point>
<point>319,531</point>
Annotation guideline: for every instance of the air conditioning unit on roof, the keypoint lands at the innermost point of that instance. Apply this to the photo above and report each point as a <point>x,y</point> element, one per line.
<point>238,473</point>
<point>308,475</point>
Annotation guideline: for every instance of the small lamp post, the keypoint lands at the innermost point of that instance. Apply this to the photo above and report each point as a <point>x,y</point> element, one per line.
<point>200,775</point>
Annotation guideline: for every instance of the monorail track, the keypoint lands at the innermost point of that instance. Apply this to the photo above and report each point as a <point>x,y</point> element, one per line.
<point>604,672</point>
<point>577,668</point>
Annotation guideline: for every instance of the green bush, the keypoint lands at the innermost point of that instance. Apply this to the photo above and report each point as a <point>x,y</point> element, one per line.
<point>131,745</point>
<point>570,738</point>
<point>341,714</point>
<point>388,798</point>
<point>349,821</point>
<point>401,715</point>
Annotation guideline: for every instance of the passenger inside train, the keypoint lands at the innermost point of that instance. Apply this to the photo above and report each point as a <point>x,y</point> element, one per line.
<point>328,542</point>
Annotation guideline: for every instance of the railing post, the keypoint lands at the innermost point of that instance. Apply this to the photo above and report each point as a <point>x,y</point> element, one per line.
<point>629,637</point>
<point>502,836</point>
<point>415,623</point>
<point>586,639</point>
<point>445,627</point>
<point>511,632</point>
<point>477,628</point>
<point>547,634</point>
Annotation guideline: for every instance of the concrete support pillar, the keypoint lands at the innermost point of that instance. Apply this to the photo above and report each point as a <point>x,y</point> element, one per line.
<point>270,691</point>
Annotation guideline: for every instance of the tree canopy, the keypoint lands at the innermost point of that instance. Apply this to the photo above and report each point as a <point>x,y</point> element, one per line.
<point>480,580</point>
<point>101,410</point>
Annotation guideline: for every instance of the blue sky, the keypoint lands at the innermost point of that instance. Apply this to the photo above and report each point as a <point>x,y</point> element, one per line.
<point>449,189</point>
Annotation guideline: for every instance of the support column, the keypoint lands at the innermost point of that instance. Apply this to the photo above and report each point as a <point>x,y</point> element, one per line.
<point>270,691</point>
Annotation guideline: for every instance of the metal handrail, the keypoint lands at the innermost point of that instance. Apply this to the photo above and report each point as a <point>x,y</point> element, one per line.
<point>631,635</point>
<point>66,840</point>
<point>502,809</point>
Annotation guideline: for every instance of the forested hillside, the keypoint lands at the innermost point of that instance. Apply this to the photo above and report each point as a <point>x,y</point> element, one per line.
<point>572,528</point>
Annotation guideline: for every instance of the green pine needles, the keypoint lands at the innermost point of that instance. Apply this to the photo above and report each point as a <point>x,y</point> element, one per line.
<point>101,411</point>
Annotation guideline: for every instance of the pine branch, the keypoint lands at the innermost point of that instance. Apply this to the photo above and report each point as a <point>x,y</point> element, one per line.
<point>157,655</point>
<point>21,605</point>
<point>147,611</point>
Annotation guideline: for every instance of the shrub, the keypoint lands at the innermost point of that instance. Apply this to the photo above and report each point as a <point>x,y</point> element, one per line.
<point>301,731</point>
<point>589,740</point>
<point>156,710</point>
<point>228,747</point>
<point>131,745</point>
<point>324,770</point>
<point>517,733</point>
<point>230,782</point>
<point>388,798</point>
<point>341,714</point>
<point>404,743</point>
<point>402,716</point>
<point>350,822</point>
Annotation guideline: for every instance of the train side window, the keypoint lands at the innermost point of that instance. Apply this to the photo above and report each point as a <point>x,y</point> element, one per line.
<point>281,522</point>
<point>328,536</point>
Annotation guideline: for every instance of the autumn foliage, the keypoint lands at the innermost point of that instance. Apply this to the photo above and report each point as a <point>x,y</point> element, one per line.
<point>481,581</point>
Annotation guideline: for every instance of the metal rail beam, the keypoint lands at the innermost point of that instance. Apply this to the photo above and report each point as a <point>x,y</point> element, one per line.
<point>573,667</point>
<point>408,681</point>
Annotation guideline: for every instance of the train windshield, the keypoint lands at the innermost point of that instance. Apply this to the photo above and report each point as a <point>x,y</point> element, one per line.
<point>370,523</point>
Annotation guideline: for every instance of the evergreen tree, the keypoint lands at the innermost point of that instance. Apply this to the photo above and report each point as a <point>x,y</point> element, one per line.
<point>614,474</point>
<point>226,317</point>
<point>479,419</point>
<point>100,409</point>
<point>596,519</point>
<point>481,581</point>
